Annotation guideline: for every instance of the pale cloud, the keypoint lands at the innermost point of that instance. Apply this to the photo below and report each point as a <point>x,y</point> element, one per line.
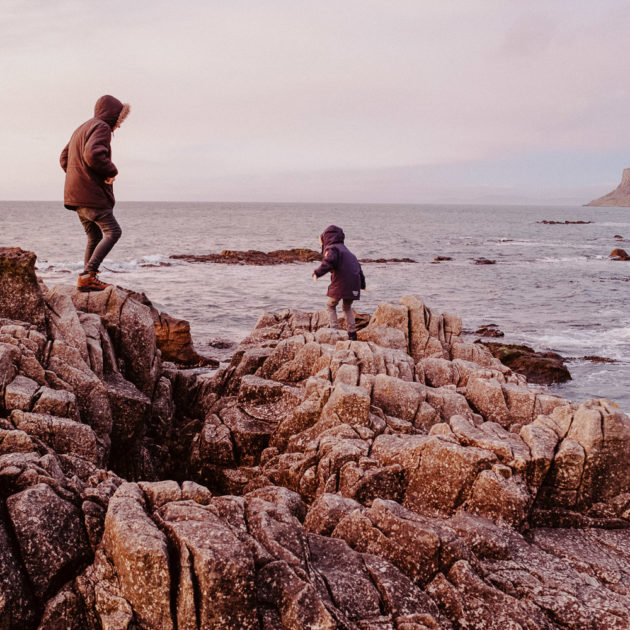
<point>230,99</point>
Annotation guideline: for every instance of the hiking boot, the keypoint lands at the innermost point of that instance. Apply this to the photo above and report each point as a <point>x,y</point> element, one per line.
<point>352,336</point>
<point>90,282</point>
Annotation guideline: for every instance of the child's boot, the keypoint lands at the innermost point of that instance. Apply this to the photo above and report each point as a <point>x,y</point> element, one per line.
<point>352,336</point>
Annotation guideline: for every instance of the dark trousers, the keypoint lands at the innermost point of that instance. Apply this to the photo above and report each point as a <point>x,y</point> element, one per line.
<point>331,305</point>
<point>102,232</point>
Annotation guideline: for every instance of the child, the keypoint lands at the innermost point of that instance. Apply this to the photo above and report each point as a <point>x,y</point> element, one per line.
<point>347,277</point>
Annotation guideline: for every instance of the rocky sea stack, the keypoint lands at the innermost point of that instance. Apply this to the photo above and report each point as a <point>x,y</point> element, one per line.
<point>620,197</point>
<point>404,481</point>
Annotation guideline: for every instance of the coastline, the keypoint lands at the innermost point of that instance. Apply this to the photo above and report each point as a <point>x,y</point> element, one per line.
<point>553,287</point>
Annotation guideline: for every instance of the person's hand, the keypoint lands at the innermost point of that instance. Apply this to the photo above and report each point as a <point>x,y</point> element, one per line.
<point>315,277</point>
<point>110,180</point>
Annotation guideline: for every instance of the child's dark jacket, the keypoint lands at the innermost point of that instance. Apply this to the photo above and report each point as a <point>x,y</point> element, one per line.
<point>347,276</point>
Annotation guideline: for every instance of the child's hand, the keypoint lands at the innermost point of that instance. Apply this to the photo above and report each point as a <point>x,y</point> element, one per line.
<point>315,277</point>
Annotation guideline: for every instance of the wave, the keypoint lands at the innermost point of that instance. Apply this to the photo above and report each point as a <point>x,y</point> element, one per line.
<point>612,343</point>
<point>112,266</point>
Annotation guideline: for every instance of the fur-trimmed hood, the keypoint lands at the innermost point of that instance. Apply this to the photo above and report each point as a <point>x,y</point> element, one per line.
<point>111,110</point>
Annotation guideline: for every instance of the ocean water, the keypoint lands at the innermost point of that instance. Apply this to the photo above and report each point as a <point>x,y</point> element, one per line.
<point>552,287</point>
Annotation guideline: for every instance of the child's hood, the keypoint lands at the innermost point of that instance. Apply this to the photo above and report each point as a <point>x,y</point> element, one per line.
<point>332,234</point>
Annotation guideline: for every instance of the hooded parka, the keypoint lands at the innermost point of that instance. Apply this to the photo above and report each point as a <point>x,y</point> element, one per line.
<point>347,276</point>
<point>86,158</point>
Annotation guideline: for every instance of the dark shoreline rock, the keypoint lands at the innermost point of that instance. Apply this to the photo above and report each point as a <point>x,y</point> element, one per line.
<point>543,368</point>
<point>253,257</point>
<point>484,261</point>
<point>276,257</point>
<point>489,330</point>
<point>548,222</point>
<point>619,254</point>
<point>387,260</point>
<point>596,359</point>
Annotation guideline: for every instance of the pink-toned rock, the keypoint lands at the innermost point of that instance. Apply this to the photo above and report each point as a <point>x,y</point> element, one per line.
<point>500,496</point>
<point>386,336</point>
<point>348,404</point>
<point>21,296</point>
<point>139,553</point>
<point>216,570</point>
<point>445,476</point>
<point>397,397</point>
<point>486,396</point>
<point>50,534</point>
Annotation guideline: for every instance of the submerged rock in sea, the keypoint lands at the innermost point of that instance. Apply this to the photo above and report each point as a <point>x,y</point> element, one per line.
<point>543,368</point>
<point>408,480</point>
<point>566,222</point>
<point>276,257</point>
<point>254,257</point>
<point>619,254</point>
<point>489,330</point>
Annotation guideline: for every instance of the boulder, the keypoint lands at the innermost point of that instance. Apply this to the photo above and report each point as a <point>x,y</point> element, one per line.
<point>445,476</point>
<point>543,368</point>
<point>347,404</point>
<point>619,254</point>
<point>17,604</point>
<point>61,434</point>
<point>138,551</point>
<point>64,320</point>
<point>131,327</point>
<point>501,496</point>
<point>21,297</point>
<point>50,534</point>
<point>603,431</point>
<point>487,398</point>
<point>216,569</point>
<point>20,393</point>
<point>397,397</point>
<point>174,340</point>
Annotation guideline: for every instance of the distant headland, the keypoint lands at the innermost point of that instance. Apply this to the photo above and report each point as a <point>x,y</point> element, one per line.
<point>619,197</point>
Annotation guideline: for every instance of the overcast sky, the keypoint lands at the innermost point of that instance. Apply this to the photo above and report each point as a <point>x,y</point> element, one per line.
<point>346,100</point>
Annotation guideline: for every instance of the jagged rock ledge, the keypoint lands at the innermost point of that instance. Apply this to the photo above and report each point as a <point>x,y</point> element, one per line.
<point>405,481</point>
<point>276,257</point>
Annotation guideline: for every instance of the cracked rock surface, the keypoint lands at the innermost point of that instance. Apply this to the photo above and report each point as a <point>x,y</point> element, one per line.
<point>404,481</point>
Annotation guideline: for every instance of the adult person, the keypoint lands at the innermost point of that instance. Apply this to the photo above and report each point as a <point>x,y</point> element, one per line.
<point>90,174</point>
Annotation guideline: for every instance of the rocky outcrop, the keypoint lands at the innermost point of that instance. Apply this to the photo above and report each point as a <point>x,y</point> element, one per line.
<point>404,481</point>
<point>619,197</point>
